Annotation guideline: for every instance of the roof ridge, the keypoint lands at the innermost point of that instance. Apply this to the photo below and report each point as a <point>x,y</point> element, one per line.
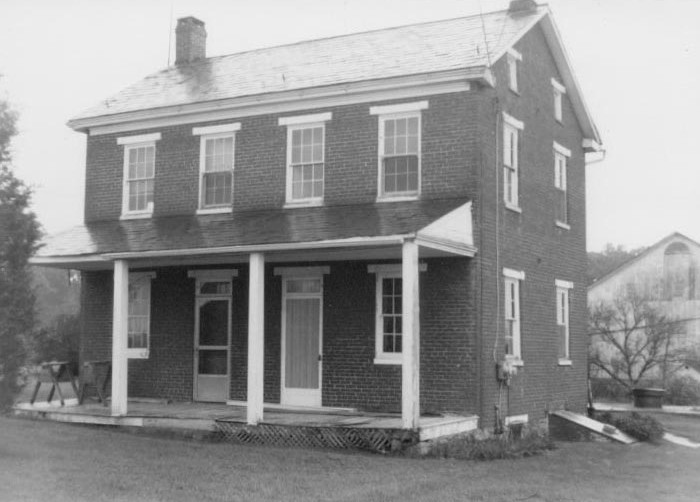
<point>356,33</point>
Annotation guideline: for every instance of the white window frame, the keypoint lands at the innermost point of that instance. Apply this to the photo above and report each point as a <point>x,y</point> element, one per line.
<point>511,161</point>
<point>144,278</point>
<point>131,143</point>
<point>297,123</point>
<point>511,282</point>
<point>513,58</point>
<point>207,133</point>
<point>561,156</point>
<point>394,112</point>
<point>559,91</point>
<point>563,319</point>
<point>385,271</point>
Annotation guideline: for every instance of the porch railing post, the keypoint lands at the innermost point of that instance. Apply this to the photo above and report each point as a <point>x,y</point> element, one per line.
<point>256,338</point>
<point>410,388</point>
<point>120,330</point>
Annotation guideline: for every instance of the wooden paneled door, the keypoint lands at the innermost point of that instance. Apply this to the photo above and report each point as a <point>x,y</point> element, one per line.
<point>302,340</point>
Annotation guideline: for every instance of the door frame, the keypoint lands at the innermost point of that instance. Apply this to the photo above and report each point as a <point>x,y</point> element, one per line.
<point>201,277</point>
<point>288,273</point>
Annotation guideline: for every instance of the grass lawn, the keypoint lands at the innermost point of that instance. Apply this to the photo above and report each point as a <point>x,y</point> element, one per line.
<point>60,462</point>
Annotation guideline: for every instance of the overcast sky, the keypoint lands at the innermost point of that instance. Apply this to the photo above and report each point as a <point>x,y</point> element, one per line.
<point>638,63</point>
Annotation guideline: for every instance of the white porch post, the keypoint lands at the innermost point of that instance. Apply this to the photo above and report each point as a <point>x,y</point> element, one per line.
<point>256,338</point>
<point>120,320</point>
<point>410,389</point>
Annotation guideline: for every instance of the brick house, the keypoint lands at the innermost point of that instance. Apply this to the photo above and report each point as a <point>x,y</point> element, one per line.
<point>388,221</point>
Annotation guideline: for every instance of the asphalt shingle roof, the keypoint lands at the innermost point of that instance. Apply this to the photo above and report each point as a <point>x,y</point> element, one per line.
<point>407,50</point>
<point>277,226</point>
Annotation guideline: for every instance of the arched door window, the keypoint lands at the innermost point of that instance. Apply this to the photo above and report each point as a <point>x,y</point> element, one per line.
<point>679,272</point>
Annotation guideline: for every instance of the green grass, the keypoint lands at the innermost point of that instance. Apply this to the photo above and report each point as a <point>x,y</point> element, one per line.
<point>49,461</point>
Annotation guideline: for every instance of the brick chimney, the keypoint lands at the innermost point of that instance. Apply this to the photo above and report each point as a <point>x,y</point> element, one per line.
<point>190,40</point>
<point>522,6</point>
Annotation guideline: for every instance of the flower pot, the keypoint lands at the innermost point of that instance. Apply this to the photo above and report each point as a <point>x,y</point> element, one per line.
<point>648,398</point>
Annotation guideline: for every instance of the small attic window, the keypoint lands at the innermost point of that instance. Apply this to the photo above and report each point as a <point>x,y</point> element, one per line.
<point>513,57</point>
<point>559,91</point>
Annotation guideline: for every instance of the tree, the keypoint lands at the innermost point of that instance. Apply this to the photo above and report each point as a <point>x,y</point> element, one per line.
<point>604,262</point>
<point>633,340</point>
<point>19,233</point>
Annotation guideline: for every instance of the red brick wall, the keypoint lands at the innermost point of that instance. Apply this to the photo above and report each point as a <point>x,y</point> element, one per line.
<point>531,242</point>
<point>350,377</point>
<point>449,133</point>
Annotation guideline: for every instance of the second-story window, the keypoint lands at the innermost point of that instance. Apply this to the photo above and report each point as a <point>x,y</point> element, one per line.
<point>216,167</point>
<point>306,156</point>
<point>399,149</point>
<point>139,174</point>
<point>561,204</point>
<point>511,162</point>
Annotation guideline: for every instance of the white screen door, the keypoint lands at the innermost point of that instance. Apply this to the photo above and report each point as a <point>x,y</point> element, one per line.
<point>302,341</point>
<point>212,341</point>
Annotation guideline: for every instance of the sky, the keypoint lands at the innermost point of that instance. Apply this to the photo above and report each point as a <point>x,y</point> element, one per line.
<point>637,61</point>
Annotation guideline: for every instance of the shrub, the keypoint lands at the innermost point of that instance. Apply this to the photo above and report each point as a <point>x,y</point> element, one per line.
<point>492,448</point>
<point>607,389</point>
<point>683,391</point>
<point>641,427</point>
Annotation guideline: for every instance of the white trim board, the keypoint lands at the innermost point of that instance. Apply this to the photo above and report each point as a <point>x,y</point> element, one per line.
<point>305,119</point>
<point>404,87</point>
<point>216,129</point>
<point>141,138</point>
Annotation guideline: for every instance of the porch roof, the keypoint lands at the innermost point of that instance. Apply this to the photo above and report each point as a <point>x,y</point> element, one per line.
<point>446,223</point>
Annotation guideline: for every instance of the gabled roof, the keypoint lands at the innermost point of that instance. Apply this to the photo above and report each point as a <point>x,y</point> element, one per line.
<point>636,259</point>
<point>470,44</point>
<point>302,228</point>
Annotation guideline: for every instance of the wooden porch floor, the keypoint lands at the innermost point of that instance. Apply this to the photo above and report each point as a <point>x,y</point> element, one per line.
<point>203,416</point>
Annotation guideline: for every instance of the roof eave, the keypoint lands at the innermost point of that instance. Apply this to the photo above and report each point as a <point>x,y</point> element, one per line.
<point>443,81</point>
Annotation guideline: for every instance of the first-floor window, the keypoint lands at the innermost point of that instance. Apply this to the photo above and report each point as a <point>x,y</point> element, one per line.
<point>139,320</point>
<point>391,314</point>
<point>512,338</point>
<point>562,288</point>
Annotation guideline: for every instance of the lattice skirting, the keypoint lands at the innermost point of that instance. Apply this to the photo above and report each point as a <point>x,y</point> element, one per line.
<point>377,440</point>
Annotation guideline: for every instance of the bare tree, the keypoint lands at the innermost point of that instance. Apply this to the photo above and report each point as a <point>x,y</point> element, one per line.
<point>632,339</point>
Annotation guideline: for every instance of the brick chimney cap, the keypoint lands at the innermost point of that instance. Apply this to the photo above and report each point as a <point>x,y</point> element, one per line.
<point>518,6</point>
<point>190,19</point>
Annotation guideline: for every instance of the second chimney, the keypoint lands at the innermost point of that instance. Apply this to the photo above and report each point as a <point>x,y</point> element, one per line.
<point>190,40</point>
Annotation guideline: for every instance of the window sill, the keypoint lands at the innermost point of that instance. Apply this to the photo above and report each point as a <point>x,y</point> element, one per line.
<point>397,198</point>
<point>514,91</point>
<point>514,208</point>
<point>515,361</point>
<point>565,362</point>
<point>136,216</point>
<point>388,360</point>
<point>560,224</point>
<point>303,203</point>
<point>137,353</point>
<point>215,210</point>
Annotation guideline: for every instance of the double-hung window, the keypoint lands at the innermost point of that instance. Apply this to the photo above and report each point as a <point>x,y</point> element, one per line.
<point>216,167</point>
<point>561,203</point>
<point>399,150</point>
<point>559,91</point>
<point>563,343</point>
<point>513,58</point>
<point>511,167</point>
<point>139,316</point>
<point>511,282</point>
<point>306,154</point>
<point>389,313</point>
<point>139,174</point>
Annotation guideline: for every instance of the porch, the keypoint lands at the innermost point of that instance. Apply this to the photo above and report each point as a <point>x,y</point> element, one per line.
<point>281,426</point>
<point>315,307</point>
